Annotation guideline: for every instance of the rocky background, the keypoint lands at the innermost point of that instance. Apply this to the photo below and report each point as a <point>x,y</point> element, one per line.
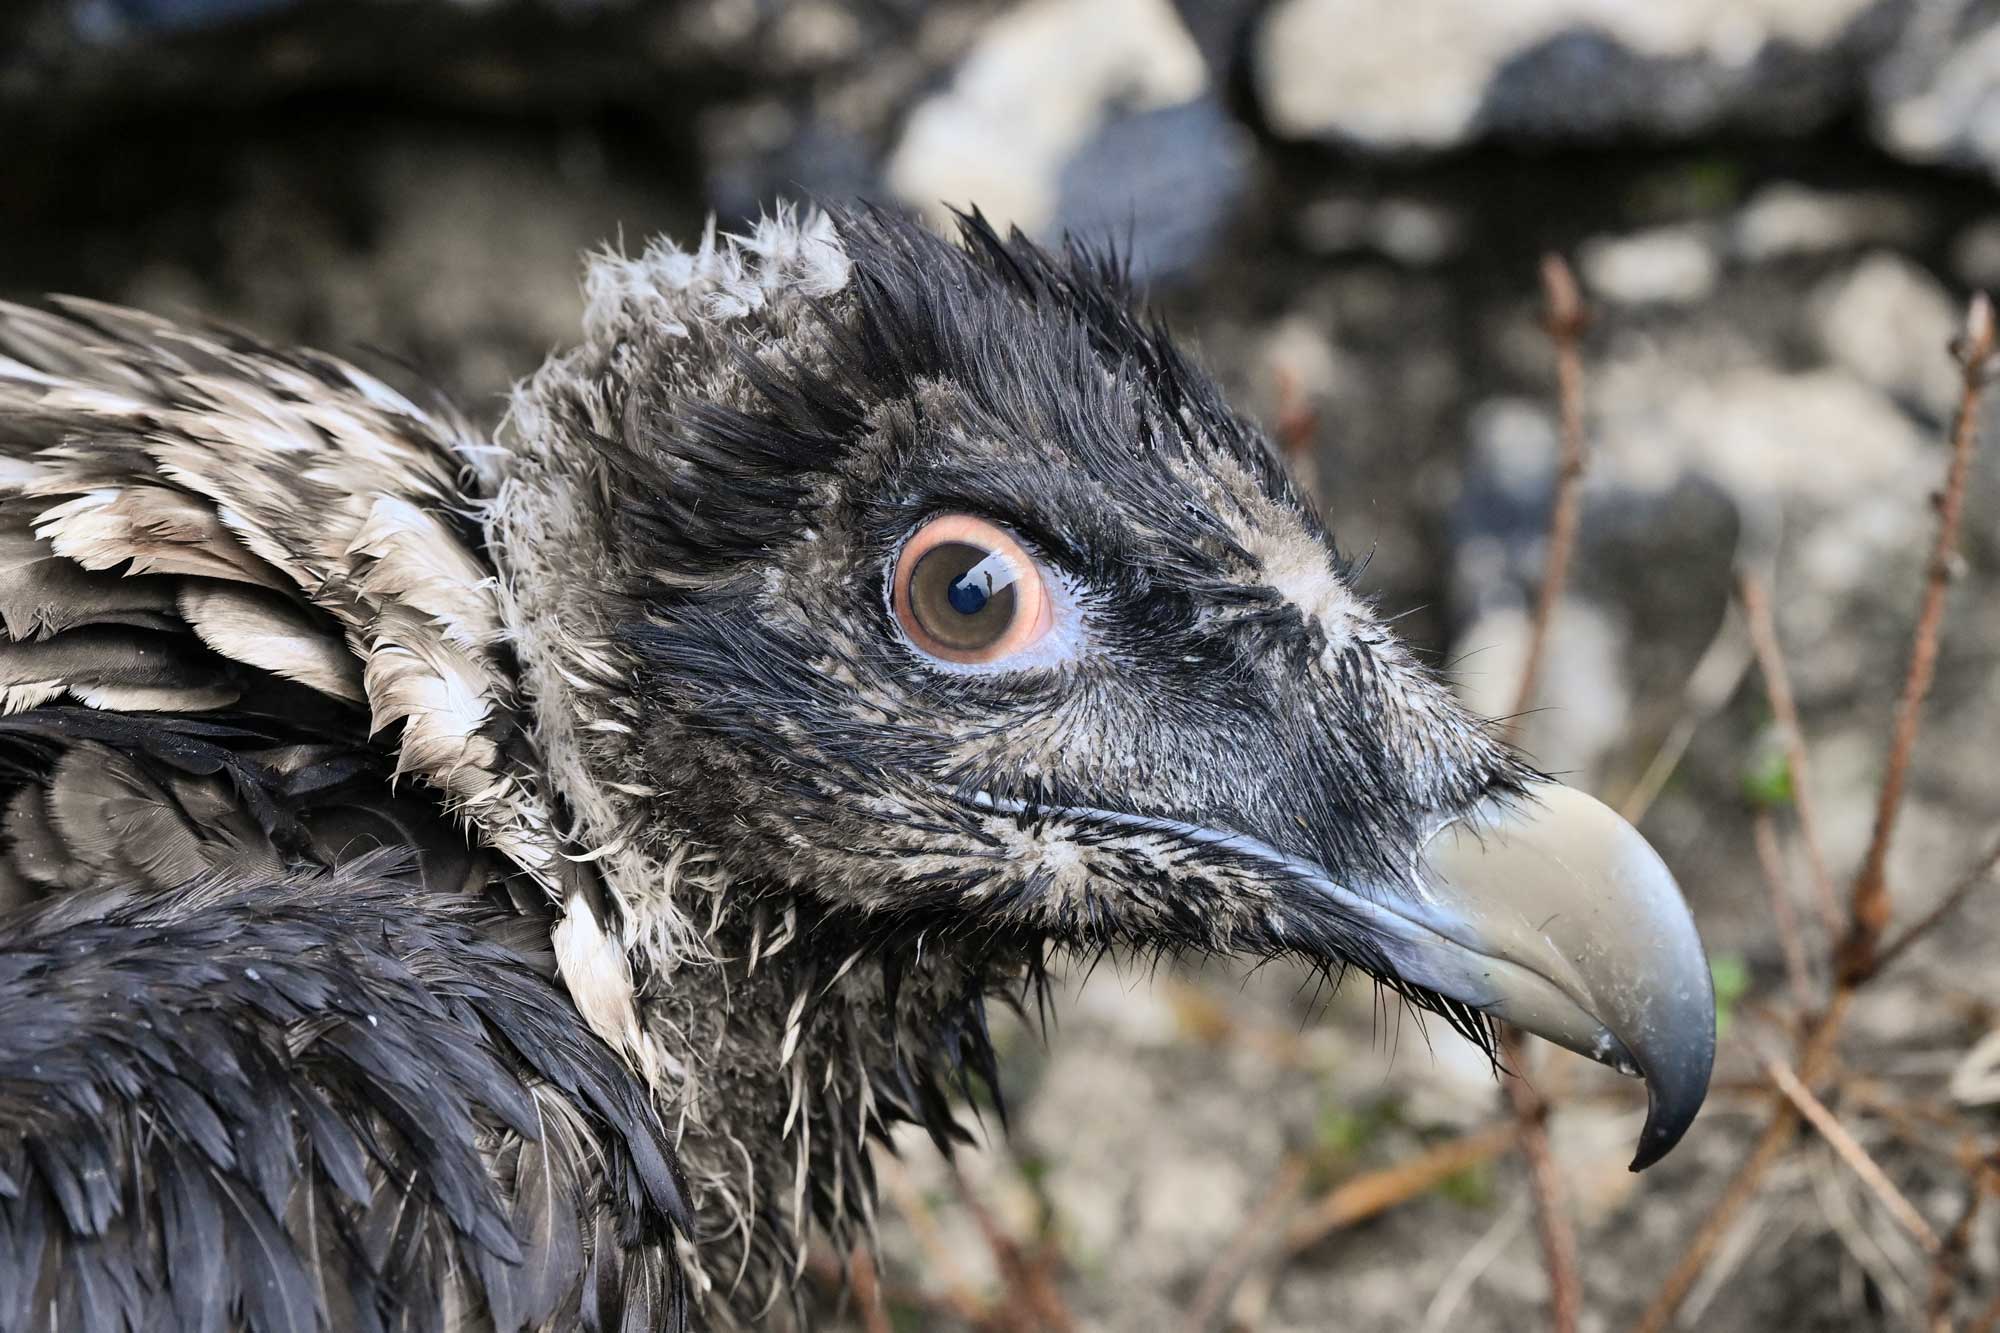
<point>1776,209</point>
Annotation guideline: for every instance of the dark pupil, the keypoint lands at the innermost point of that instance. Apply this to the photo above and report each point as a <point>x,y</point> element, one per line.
<point>956,607</point>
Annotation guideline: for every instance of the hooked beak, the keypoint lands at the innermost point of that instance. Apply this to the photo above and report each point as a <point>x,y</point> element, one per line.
<point>1546,910</point>
<point>1553,914</point>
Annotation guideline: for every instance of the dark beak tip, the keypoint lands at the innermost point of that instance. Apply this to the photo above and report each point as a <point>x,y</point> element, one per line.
<point>1655,1142</point>
<point>1673,1100</point>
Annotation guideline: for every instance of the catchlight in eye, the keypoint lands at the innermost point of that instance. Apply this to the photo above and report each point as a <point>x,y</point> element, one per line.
<point>967,591</point>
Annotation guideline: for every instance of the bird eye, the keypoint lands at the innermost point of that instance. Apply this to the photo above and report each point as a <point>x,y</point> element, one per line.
<point>966,591</point>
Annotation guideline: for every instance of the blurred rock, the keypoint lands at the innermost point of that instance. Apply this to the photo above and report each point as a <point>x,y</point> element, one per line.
<point>1937,94</point>
<point>1033,90</point>
<point>1675,265</point>
<point>1163,184</point>
<point>1097,117</point>
<point>1786,220</point>
<point>1582,709</point>
<point>1407,230</point>
<point>1890,324</point>
<point>1436,73</point>
<point>1817,436</point>
<point>116,20</point>
<point>1085,115</point>
<point>1975,254</point>
<point>834,98</point>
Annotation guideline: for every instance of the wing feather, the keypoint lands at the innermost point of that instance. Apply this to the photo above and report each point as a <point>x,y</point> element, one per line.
<point>301,1119</point>
<point>271,633</point>
<point>243,592</point>
<point>192,523</point>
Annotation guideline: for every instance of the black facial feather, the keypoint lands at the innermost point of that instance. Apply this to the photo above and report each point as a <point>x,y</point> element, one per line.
<point>1225,723</point>
<point>998,379</point>
<point>321,1101</point>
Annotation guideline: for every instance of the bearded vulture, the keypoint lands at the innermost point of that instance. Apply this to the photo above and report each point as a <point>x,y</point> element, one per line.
<point>467,882</point>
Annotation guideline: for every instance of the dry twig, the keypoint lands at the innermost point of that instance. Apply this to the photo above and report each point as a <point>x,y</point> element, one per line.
<point>1870,910</point>
<point>1756,602</point>
<point>1565,320</point>
<point>825,1269</point>
<point>1298,419</point>
<point>1471,1266</point>
<point>1710,687</point>
<point>1031,1291</point>
<point>1949,1261</point>
<point>1253,1237</point>
<point>1860,953</point>
<point>1772,1142</point>
<point>1552,1223</point>
<point>1967,884</point>
<point>940,1263</point>
<point>1364,1196</point>
<point>867,1291</point>
<point>1851,1152</point>
<point>1771,860</point>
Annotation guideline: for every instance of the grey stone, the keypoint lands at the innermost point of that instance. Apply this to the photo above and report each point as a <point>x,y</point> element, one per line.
<point>1975,254</point>
<point>1123,133</point>
<point>1936,94</point>
<point>1164,183</point>
<point>1889,323</point>
<point>1671,265</point>
<point>1411,231</point>
<point>1786,220</point>
<point>1434,73</point>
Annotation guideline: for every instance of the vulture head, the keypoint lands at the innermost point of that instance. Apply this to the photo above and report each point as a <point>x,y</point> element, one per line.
<point>853,619</point>
<point>927,608</point>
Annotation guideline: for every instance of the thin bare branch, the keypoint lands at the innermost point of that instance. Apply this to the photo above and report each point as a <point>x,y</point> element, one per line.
<point>1257,1234</point>
<point>1868,1246</point>
<point>941,1264</point>
<point>867,1291</point>
<point>1709,688</point>
<point>1949,1262</point>
<point>1553,1227</point>
<point>1870,910</point>
<point>1860,954</point>
<point>1771,860</point>
<point>833,1277</point>
<point>1364,1196</point>
<point>1565,321</point>
<point>1967,884</point>
<point>1776,1137</point>
<point>1471,1266</point>
<point>1030,1289</point>
<point>1756,603</point>
<point>1851,1152</point>
<point>1298,419</point>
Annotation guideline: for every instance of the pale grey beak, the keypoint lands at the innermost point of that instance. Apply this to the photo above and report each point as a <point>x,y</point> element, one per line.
<point>1554,914</point>
<point>1547,910</point>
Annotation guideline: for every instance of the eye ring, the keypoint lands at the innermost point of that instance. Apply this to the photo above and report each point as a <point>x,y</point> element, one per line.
<point>965,591</point>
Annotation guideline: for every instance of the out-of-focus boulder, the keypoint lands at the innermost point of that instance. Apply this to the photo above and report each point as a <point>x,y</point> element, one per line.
<point>1438,74</point>
<point>1429,74</point>
<point>1088,116</point>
